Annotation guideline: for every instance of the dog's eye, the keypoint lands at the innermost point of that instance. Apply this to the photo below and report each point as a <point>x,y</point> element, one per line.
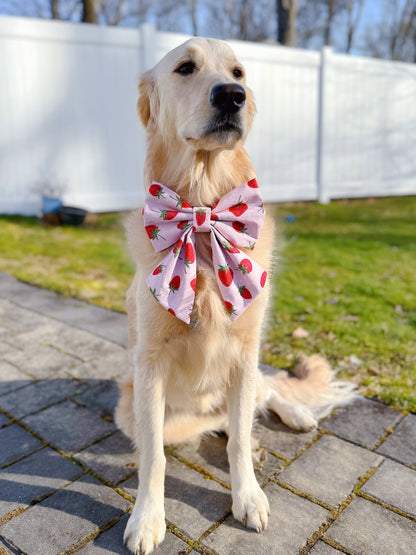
<point>186,68</point>
<point>237,73</point>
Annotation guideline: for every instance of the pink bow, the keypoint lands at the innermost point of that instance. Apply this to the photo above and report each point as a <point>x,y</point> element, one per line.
<point>235,220</point>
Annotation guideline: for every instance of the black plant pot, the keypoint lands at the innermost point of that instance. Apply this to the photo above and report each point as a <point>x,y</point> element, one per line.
<point>69,215</point>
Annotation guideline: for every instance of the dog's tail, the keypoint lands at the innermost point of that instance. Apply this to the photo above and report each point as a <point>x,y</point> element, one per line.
<point>302,399</point>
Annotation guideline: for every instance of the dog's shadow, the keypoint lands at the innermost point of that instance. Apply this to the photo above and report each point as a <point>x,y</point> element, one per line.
<point>269,434</point>
<point>190,500</point>
<point>213,450</point>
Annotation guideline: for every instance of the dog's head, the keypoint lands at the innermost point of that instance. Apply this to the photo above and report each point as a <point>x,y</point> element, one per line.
<point>197,94</point>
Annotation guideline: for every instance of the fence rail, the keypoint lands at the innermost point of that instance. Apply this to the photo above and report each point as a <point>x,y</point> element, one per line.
<point>327,125</point>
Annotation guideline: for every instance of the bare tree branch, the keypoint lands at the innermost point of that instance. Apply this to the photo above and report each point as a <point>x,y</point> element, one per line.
<point>55,9</point>
<point>287,11</point>
<point>193,13</point>
<point>353,21</point>
<point>90,11</point>
<point>119,15</point>
<point>393,36</point>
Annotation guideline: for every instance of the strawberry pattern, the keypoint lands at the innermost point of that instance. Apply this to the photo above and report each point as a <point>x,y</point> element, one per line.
<point>202,219</point>
<point>156,190</point>
<point>234,221</point>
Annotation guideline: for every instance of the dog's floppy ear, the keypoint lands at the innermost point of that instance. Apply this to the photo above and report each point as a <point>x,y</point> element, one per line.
<point>146,92</point>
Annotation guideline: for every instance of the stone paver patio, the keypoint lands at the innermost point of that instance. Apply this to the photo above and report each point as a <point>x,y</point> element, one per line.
<point>67,476</point>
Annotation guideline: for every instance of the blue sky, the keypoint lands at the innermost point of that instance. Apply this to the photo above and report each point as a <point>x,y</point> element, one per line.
<point>371,12</point>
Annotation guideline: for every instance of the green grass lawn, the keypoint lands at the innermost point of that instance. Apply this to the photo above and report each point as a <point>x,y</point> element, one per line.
<point>89,262</point>
<point>346,274</point>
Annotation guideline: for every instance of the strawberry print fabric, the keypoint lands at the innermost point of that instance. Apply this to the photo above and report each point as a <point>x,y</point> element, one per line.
<point>234,221</point>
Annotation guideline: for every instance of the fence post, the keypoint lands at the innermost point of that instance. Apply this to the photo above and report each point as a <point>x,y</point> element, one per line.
<point>148,40</point>
<point>323,194</point>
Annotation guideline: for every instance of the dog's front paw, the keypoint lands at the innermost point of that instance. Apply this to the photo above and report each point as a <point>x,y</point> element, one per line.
<point>145,530</point>
<point>251,507</point>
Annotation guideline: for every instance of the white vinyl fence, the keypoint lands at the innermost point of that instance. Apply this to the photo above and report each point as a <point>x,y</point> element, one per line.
<point>328,125</point>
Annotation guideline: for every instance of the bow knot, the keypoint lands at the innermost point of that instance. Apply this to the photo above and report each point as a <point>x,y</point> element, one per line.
<point>234,221</point>
<point>202,218</point>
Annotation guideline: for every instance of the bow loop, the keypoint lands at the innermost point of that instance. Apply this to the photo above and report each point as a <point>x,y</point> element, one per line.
<point>234,221</point>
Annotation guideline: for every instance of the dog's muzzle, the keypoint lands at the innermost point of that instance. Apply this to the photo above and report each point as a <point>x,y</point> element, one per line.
<point>228,98</point>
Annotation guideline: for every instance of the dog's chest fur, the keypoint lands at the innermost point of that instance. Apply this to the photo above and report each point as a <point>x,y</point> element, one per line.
<point>203,353</point>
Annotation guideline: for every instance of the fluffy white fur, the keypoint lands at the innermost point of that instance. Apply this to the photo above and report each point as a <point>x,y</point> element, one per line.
<point>187,380</point>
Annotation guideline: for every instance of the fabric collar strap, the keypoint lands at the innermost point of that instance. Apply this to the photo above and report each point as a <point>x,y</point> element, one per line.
<point>234,221</point>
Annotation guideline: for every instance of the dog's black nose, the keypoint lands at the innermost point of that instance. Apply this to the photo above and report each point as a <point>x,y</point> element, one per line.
<point>228,98</point>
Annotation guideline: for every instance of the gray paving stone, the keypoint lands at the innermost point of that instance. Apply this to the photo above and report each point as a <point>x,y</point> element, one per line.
<point>41,335</point>
<point>394,484</point>
<point>102,322</point>
<point>15,442</point>
<point>69,310</point>
<point>368,529</point>
<point>11,378</point>
<point>171,545</point>
<point>64,518</point>
<point>41,361</point>
<point>78,343</point>
<point>269,467</point>
<point>322,548</point>
<point>32,477</point>
<point>192,502</point>
<point>103,368</point>
<point>5,333</point>
<point>7,349</point>
<point>8,549</point>
<point>4,347</point>
<point>84,344</point>
<point>111,541</point>
<point>38,300</point>
<point>99,321</point>
<point>6,280</point>
<point>113,458</point>
<point>329,469</point>
<point>101,397</point>
<point>401,444</point>
<point>210,453</point>
<point>277,437</point>
<point>16,318</point>
<point>68,426</point>
<point>36,396</point>
<point>21,293</point>
<point>347,422</point>
<point>292,521</point>
<point>3,420</point>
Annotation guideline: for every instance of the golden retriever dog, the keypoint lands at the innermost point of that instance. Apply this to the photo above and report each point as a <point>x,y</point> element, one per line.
<point>188,379</point>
